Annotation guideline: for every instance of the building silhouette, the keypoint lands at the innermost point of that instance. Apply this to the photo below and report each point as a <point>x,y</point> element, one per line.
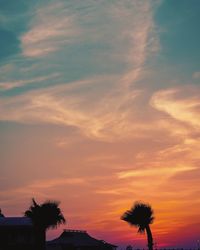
<point>19,233</point>
<point>16,233</point>
<point>78,240</point>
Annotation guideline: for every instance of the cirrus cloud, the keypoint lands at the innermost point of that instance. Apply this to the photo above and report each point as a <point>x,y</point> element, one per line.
<point>181,103</point>
<point>50,29</point>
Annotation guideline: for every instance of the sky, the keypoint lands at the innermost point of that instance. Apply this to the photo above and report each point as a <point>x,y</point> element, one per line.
<point>99,108</point>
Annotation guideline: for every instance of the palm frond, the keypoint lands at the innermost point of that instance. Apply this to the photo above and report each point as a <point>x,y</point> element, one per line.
<point>46,215</point>
<point>140,215</point>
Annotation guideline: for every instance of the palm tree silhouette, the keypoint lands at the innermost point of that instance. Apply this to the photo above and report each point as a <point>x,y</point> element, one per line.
<point>1,215</point>
<point>141,216</point>
<point>44,216</point>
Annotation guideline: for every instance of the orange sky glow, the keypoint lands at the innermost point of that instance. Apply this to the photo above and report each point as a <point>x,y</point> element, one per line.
<point>99,108</point>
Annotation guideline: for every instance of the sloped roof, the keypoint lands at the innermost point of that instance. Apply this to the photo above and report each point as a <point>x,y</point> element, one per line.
<point>15,221</point>
<point>77,238</point>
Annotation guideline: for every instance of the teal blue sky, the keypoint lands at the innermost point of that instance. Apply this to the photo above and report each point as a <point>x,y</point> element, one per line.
<point>94,93</point>
<point>179,36</point>
<point>175,28</point>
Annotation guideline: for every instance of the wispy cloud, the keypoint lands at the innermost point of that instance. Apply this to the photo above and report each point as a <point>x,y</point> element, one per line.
<point>179,105</point>
<point>139,33</point>
<point>196,75</point>
<point>60,105</point>
<point>152,172</point>
<point>52,27</point>
<point>106,110</point>
<point>41,186</point>
<point>16,84</point>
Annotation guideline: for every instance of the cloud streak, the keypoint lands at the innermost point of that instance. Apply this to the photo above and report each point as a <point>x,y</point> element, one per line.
<point>152,172</point>
<point>51,106</point>
<point>50,29</point>
<point>112,96</point>
<point>20,83</point>
<point>178,105</point>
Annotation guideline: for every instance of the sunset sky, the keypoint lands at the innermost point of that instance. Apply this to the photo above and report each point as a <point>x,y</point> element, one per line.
<point>100,107</point>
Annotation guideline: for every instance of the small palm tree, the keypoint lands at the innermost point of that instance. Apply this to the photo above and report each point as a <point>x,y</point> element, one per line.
<point>1,215</point>
<point>44,216</point>
<point>141,216</point>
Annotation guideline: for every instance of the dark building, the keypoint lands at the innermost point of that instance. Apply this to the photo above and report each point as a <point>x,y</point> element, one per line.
<point>16,233</point>
<point>78,240</point>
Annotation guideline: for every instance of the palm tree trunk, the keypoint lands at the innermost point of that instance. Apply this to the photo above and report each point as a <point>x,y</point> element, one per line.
<point>149,237</point>
<point>43,239</point>
<point>40,238</point>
